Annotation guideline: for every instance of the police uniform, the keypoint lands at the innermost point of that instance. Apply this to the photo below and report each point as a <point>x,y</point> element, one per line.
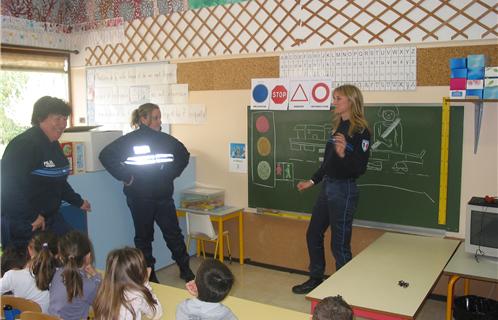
<point>34,182</point>
<point>148,161</point>
<point>338,199</point>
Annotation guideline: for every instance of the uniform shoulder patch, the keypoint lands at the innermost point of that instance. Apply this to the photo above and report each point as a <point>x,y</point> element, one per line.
<point>364,145</point>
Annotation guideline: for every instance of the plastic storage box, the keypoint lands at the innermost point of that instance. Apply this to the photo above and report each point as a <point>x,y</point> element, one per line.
<point>202,198</point>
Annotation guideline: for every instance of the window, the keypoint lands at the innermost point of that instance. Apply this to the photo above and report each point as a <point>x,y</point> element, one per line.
<point>28,74</point>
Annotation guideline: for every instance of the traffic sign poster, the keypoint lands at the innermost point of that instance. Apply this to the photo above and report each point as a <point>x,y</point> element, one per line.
<point>310,94</point>
<point>260,94</point>
<point>279,94</point>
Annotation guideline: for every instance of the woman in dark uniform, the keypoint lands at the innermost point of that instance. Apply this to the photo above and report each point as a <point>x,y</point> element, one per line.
<point>345,159</point>
<point>147,161</point>
<point>34,176</point>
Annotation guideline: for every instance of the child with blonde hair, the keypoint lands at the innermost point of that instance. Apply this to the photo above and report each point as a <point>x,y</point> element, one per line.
<point>32,281</point>
<point>125,293</point>
<point>74,285</point>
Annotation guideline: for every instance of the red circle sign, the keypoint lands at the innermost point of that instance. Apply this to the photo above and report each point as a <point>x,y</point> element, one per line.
<point>323,95</point>
<point>279,94</point>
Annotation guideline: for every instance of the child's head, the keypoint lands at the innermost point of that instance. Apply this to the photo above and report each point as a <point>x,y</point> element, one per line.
<point>13,257</point>
<point>213,280</point>
<point>125,270</point>
<point>75,252</point>
<point>333,308</point>
<point>43,248</point>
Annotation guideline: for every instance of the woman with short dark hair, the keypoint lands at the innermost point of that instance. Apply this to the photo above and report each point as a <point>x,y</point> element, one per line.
<point>34,176</point>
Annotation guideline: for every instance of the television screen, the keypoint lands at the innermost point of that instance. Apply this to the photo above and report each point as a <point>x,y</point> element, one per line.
<point>484,228</point>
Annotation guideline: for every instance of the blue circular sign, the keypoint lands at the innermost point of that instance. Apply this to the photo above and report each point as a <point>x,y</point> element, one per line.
<point>260,93</point>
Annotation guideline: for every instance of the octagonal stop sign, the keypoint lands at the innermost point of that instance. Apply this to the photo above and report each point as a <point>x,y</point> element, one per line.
<point>279,94</point>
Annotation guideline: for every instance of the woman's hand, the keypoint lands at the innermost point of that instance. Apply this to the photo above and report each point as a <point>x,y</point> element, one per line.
<point>86,206</point>
<point>303,185</point>
<point>39,223</point>
<point>340,144</point>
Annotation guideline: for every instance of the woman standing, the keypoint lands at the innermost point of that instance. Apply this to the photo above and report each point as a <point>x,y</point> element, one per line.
<point>34,177</point>
<point>147,161</point>
<point>345,159</point>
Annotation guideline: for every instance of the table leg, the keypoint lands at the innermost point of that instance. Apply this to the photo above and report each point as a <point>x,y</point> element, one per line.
<point>466,283</point>
<point>241,238</point>
<point>198,247</point>
<point>220,238</point>
<point>449,298</point>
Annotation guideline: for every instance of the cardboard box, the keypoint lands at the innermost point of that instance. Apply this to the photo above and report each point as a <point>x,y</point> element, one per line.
<point>75,154</point>
<point>458,63</point>
<point>457,94</point>
<point>490,82</point>
<point>475,93</point>
<point>491,72</point>
<point>490,93</point>
<point>458,84</point>
<point>476,61</point>
<point>475,84</point>
<point>458,73</point>
<point>94,142</point>
<point>475,73</point>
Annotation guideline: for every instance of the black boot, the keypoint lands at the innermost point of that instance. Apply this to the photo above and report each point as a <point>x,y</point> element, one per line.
<point>153,277</point>
<point>307,286</point>
<point>186,274</point>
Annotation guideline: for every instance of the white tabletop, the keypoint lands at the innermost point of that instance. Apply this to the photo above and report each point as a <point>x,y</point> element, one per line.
<point>170,297</point>
<point>370,280</point>
<point>221,211</point>
<point>465,264</point>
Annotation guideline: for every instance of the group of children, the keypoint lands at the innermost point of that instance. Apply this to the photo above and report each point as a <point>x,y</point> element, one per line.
<point>58,274</point>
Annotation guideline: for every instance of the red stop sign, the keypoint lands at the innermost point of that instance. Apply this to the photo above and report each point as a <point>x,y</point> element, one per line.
<point>279,94</point>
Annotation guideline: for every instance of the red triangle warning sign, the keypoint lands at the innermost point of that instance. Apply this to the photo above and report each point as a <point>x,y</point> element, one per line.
<point>299,95</point>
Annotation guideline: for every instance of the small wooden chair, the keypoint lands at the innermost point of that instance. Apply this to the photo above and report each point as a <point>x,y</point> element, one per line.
<point>31,315</point>
<point>20,303</point>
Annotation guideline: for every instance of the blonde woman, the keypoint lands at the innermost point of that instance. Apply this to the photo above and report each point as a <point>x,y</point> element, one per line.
<point>147,161</point>
<point>345,159</point>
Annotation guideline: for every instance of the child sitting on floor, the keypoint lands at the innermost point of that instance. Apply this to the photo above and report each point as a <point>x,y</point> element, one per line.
<point>333,308</point>
<point>211,285</point>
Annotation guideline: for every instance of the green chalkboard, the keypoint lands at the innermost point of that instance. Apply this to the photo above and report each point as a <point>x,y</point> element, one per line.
<point>401,185</point>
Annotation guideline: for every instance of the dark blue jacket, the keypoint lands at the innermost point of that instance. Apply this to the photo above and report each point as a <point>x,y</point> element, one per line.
<point>154,159</point>
<point>34,177</point>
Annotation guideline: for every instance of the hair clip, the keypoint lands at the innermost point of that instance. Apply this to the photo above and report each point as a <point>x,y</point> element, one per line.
<point>45,245</point>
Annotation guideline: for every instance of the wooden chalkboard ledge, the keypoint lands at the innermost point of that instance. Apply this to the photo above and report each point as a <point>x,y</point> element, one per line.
<point>284,214</point>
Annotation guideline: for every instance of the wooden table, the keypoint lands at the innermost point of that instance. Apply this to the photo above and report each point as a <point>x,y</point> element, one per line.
<point>464,265</point>
<point>221,215</point>
<point>170,297</point>
<point>370,282</point>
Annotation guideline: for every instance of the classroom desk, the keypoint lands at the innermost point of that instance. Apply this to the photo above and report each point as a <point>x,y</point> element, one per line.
<point>369,282</point>
<point>221,215</point>
<point>170,297</point>
<point>464,265</point>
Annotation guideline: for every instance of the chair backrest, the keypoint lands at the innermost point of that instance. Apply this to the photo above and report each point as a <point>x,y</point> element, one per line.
<point>200,225</point>
<point>31,315</point>
<point>21,304</point>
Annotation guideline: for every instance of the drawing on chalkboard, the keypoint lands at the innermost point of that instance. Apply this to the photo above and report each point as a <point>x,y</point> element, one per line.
<point>284,171</point>
<point>387,148</point>
<point>263,149</point>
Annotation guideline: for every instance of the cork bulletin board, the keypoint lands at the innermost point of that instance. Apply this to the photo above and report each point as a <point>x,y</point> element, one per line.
<point>236,74</point>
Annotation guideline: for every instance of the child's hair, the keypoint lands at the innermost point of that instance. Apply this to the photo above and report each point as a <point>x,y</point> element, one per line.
<point>213,280</point>
<point>357,119</point>
<point>73,248</point>
<point>125,270</point>
<point>333,308</point>
<point>43,263</point>
<point>144,110</point>
<point>13,257</point>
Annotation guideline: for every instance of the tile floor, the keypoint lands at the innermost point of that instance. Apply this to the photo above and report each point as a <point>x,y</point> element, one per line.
<point>274,288</point>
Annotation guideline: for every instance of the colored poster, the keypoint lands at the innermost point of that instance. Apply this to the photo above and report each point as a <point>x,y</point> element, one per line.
<point>196,4</point>
<point>260,94</point>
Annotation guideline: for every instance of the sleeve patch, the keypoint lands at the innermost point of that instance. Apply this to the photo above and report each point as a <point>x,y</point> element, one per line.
<point>364,145</point>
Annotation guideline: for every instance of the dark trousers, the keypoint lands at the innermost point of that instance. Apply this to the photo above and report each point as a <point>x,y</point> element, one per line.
<point>144,212</point>
<point>17,232</point>
<point>334,207</point>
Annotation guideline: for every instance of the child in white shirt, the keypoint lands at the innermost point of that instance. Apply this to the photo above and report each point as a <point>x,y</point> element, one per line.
<point>32,281</point>
<point>125,292</point>
<point>211,285</point>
